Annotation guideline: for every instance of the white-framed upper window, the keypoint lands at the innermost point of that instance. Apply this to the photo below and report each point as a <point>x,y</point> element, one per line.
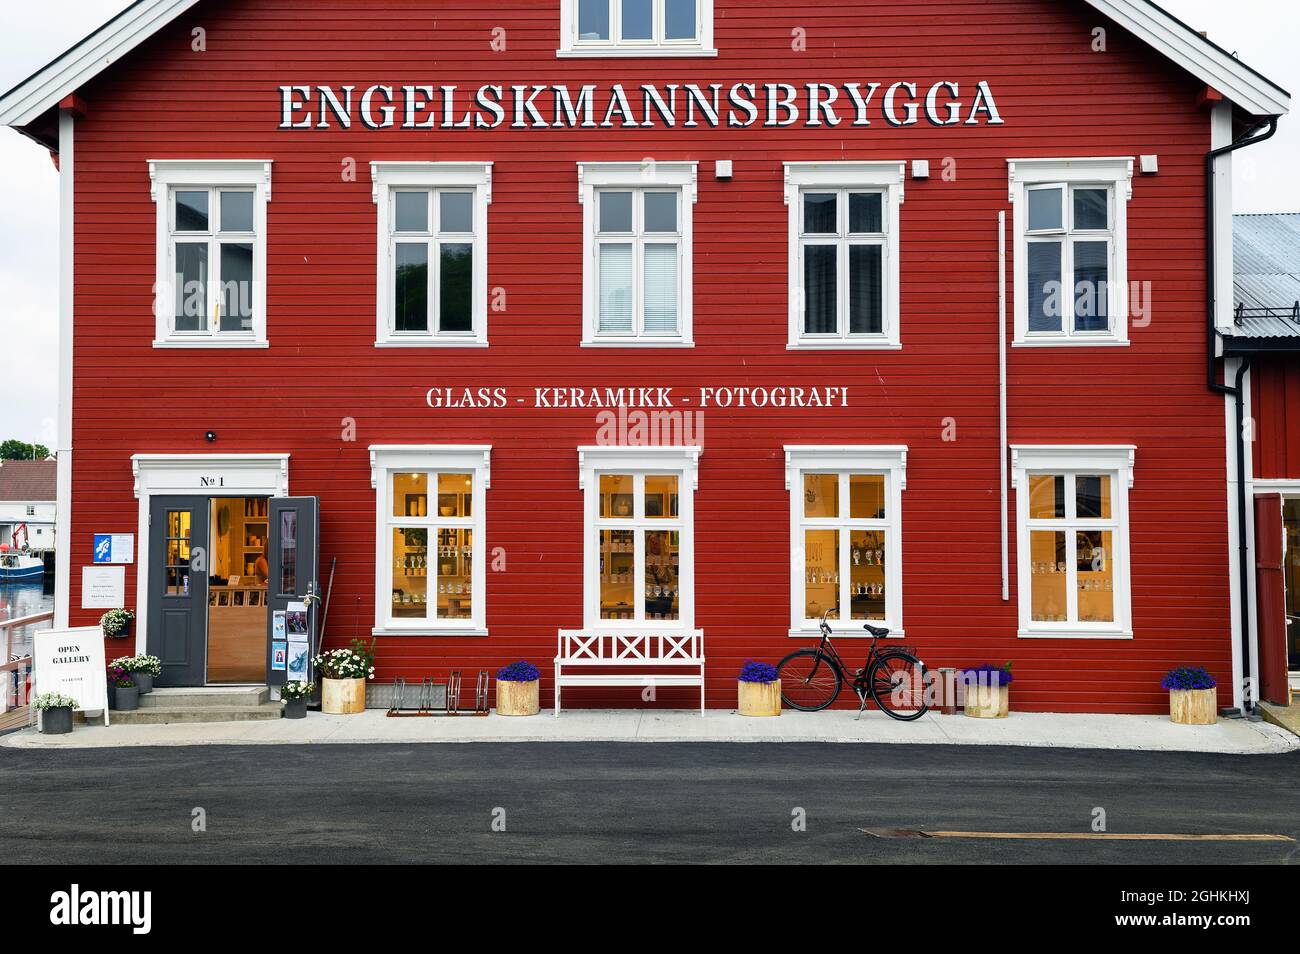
<point>1072,540</point>
<point>432,256</point>
<point>636,28</point>
<point>1071,251</point>
<point>210,283</point>
<point>31,510</point>
<point>846,541</point>
<point>844,261</point>
<point>639,528</point>
<point>637,274</point>
<point>430,503</point>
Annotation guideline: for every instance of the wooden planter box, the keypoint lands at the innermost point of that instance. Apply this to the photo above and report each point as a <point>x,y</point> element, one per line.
<point>342,696</point>
<point>1193,706</point>
<point>518,698</point>
<point>988,702</point>
<point>758,698</point>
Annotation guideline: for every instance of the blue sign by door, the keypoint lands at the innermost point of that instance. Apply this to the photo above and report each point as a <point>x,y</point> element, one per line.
<point>103,548</point>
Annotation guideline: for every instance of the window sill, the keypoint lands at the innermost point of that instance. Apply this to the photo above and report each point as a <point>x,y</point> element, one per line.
<point>431,343</point>
<point>637,343</point>
<point>816,633</point>
<point>210,343</point>
<point>843,346</point>
<point>1069,343</point>
<point>1066,632</point>
<point>631,52</point>
<point>428,631</point>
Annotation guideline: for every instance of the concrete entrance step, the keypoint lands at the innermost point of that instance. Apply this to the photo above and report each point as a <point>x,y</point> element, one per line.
<point>206,697</point>
<point>159,715</point>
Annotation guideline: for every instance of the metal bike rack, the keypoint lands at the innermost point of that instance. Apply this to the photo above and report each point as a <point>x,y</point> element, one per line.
<point>423,701</point>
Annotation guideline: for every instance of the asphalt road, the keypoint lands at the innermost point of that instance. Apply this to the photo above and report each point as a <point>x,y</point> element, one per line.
<point>637,802</point>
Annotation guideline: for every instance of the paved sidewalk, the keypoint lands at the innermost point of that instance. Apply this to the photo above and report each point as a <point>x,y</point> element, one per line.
<point>1133,732</point>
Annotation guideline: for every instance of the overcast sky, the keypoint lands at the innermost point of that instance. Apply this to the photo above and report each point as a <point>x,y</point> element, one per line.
<point>1264,33</point>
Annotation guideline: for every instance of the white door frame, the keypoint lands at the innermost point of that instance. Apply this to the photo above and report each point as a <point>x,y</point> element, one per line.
<point>195,475</point>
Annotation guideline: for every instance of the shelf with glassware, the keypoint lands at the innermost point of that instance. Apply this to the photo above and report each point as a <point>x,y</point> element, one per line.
<point>1094,577</point>
<point>618,574</point>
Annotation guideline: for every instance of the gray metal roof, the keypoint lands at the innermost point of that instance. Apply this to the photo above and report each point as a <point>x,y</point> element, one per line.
<point>1266,275</point>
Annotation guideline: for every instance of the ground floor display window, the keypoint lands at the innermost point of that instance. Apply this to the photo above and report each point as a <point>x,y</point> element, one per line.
<point>429,538</point>
<point>846,537</point>
<point>1072,540</point>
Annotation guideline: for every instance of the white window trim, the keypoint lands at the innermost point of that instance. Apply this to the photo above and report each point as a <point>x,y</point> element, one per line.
<point>571,46</point>
<point>683,461</point>
<point>1115,173</point>
<point>637,175</point>
<point>889,460</point>
<point>810,176</point>
<point>385,459</point>
<point>1117,461</point>
<point>385,178</point>
<point>165,177</point>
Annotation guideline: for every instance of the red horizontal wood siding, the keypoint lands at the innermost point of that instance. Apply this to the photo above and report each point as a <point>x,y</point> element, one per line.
<point>1058,97</point>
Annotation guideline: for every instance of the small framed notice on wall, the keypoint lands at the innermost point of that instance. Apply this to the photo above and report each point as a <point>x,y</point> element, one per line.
<point>103,587</point>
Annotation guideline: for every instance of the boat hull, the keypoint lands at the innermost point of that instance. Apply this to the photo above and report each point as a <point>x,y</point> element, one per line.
<point>25,573</point>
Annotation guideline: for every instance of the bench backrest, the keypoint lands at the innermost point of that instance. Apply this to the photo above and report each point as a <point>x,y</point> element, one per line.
<point>630,647</point>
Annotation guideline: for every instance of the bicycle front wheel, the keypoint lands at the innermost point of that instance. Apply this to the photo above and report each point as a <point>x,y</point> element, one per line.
<point>898,682</point>
<point>809,680</point>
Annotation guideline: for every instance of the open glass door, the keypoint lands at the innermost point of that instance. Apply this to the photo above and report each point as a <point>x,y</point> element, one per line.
<point>293,593</point>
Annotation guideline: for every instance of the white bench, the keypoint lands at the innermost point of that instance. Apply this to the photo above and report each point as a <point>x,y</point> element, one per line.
<point>621,648</point>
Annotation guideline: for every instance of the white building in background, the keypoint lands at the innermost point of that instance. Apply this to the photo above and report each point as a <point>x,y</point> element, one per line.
<point>27,497</point>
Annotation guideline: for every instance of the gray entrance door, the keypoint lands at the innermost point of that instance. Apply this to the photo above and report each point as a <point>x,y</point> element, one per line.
<point>178,589</point>
<point>293,557</point>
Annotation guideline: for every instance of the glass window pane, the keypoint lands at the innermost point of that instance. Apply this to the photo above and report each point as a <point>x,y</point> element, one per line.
<point>410,495</point>
<point>638,19</point>
<point>867,496</point>
<point>288,551</point>
<point>616,289</point>
<point>455,495</point>
<point>615,211</point>
<point>455,287</point>
<point>821,307</point>
<point>411,211</point>
<point>410,573</point>
<point>866,289</point>
<point>192,211</point>
<point>177,570</point>
<point>867,574</point>
<point>661,574</point>
<point>866,212</point>
<point>819,216</point>
<point>1045,209</point>
<point>617,573</point>
<point>236,211</point>
<point>1046,497</point>
<point>1092,496</point>
<point>1091,209</point>
<point>191,286</point>
<point>821,495</point>
<point>1048,576</point>
<point>237,286</point>
<point>821,573</point>
<point>1044,291</point>
<point>456,211</point>
<point>593,19</point>
<point>411,287</point>
<point>1096,576</point>
<point>616,495</point>
<point>661,496</point>
<point>455,574</point>
<point>679,19</point>
<point>660,289</point>
<point>1091,286</point>
<point>661,211</point>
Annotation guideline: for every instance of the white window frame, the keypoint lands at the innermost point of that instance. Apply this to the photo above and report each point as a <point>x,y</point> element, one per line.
<point>886,178</point>
<point>572,46</point>
<point>637,176</point>
<point>1114,174</point>
<point>1115,461</point>
<point>388,178</point>
<point>168,176</point>
<point>684,463</point>
<point>387,459</point>
<point>887,460</point>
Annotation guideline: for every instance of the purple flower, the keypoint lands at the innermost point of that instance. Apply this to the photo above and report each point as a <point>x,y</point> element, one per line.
<point>1188,677</point>
<point>758,672</point>
<point>518,672</point>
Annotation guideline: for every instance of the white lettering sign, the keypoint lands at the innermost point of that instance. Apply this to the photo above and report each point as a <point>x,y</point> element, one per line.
<point>71,662</point>
<point>103,587</point>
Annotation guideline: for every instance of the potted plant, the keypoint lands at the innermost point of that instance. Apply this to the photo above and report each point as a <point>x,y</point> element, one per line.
<point>518,689</point>
<point>56,712</point>
<point>758,690</point>
<point>988,691</point>
<point>295,696</point>
<point>343,675</point>
<point>1192,695</point>
<point>143,670</point>
<point>116,623</point>
<point>126,697</point>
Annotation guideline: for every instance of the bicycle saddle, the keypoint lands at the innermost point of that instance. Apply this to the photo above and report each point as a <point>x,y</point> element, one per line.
<point>877,631</point>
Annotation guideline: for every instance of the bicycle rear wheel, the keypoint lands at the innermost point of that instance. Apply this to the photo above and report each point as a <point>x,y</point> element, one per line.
<point>809,680</point>
<point>898,681</point>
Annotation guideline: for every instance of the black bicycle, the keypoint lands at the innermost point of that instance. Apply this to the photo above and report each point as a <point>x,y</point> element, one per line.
<point>811,679</point>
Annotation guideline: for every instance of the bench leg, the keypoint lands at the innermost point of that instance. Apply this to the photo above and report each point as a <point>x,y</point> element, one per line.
<point>701,690</point>
<point>557,690</point>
